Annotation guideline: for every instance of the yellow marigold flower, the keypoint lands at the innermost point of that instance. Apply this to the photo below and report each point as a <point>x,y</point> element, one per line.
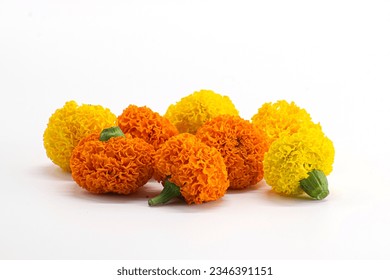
<point>142,122</point>
<point>195,109</point>
<point>69,124</point>
<point>296,160</point>
<point>113,163</point>
<point>241,145</point>
<point>191,169</point>
<point>281,117</point>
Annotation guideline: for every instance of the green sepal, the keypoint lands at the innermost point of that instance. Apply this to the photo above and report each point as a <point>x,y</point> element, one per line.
<point>316,185</point>
<point>108,133</point>
<point>170,191</point>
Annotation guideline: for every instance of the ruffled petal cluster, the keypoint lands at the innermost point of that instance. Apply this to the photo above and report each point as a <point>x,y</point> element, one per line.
<point>240,144</point>
<point>194,110</point>
<point>142,122</point>
<point>199,170</point>
<point>291,157</point>
<point>71,123</point>
<point>96,136</point>
<point>281,117</point>
<point>120,165</point>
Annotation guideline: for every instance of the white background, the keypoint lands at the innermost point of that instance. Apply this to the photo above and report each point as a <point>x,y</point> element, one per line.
<point>330,57</point>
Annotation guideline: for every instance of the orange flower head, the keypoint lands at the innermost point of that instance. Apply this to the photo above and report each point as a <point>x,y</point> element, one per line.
<point>241,145</point>
<point>142,122</point>
<point>196,169</point>
<point>96,136</point>
<point>119,165</point>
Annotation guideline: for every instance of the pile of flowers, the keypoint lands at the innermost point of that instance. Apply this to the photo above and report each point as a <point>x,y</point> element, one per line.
<point>198,150</point>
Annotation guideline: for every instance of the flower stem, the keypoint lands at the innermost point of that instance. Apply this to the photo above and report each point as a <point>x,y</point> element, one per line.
<point>108,133</point>
<point>170,191</point>
<point>316,185</point>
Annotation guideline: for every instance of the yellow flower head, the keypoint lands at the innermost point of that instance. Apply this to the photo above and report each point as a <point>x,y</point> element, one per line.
<point>292,157</point>
<point>281,117</point>
<point>241,145</point>
<point>195,109</point>
<point>71,123</point>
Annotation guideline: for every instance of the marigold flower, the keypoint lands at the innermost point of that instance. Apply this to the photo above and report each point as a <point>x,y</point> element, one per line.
<point>195,109</point>
<point>281,117</point>
<point>114,163</point>
<point>69,124</point>
<point>96,136</point>
<point>142,122</point>
<point>191,169</point>
<point>299,162</point>
<point>241,145</point>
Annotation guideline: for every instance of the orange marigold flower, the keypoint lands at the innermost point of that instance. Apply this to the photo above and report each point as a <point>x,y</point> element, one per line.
<point>71,123</point>
<point>281,117</point>
<point>241,145</point>
<point>191,169</point>
<point>142,122</point>
<point>113,164</point>
<point>96,136</point>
